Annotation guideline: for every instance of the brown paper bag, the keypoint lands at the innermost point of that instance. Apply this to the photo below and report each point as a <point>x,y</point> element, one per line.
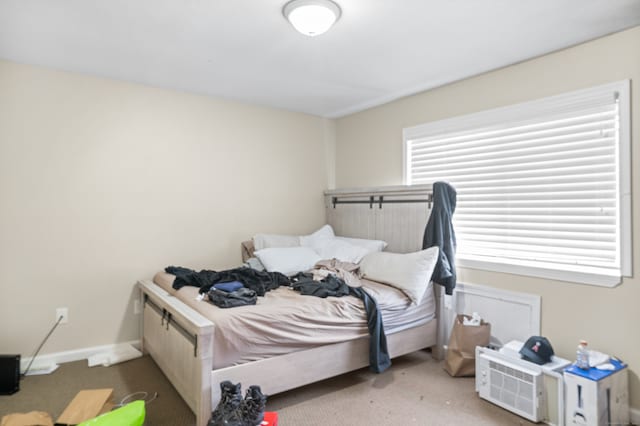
<point>461,354</point>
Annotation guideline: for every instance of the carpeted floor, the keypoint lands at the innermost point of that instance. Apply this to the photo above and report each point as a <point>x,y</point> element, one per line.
<point>414,391</point>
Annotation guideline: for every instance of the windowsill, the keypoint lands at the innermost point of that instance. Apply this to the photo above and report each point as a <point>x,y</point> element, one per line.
<point>596,279</point>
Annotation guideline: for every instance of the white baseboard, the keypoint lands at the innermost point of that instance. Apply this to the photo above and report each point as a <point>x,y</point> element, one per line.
<point>43,362</point>
<point>634,415</point>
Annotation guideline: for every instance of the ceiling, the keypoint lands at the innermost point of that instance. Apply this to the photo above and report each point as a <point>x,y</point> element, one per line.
<point>379,50</point>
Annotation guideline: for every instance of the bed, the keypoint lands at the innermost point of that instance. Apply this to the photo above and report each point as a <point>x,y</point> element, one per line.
<point>189,339</point>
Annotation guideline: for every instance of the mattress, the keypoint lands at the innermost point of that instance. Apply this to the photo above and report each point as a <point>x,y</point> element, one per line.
<point>283,321</point>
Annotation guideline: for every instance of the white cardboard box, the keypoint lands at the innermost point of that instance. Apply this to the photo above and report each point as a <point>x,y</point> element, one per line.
<point>597,397</point>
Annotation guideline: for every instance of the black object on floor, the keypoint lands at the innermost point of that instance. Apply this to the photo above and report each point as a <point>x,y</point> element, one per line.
<point>9,374</point>
<point>227,411</point>
<point>232,410</point>
<point>253,406</point>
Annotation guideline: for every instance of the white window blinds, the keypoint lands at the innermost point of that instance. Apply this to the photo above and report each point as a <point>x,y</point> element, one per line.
<point>541,185</point>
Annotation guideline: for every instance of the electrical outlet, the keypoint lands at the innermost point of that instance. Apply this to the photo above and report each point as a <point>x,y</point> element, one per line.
<point>64,313</point>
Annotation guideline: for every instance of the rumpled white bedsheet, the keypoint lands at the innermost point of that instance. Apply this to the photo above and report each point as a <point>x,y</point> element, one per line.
<point>283,321</point>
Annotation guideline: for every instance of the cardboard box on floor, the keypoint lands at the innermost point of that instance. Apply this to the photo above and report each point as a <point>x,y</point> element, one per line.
<point>86,405</point>
<point>34,418</point>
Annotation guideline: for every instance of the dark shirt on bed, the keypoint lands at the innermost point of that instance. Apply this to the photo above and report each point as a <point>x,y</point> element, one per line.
<point>258,281</point>
<point>228,287</point>
<point>232,299</point>
<point>379,359</point>
<point>329,286</point>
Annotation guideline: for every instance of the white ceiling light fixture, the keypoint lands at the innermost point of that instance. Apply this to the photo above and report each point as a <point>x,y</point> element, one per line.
<point>311,17</point>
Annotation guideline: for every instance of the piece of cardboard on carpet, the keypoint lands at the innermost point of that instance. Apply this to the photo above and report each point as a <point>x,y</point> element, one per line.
<point>33,418</point>
<point>86,405</point>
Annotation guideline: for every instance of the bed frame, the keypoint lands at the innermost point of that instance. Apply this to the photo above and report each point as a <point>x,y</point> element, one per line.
<point>180,340</point>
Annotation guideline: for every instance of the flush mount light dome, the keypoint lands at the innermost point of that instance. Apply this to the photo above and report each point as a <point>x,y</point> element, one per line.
<point>311,17</point>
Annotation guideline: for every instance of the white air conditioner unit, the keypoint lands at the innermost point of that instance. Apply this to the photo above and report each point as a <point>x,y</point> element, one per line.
<point>518,385</point>
<point>510,385</point>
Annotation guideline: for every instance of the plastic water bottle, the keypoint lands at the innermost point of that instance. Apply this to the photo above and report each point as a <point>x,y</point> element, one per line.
<point>582,355</point>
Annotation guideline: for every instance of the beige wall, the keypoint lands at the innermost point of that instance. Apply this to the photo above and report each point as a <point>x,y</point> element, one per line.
<point>103,183</point>
<point>369,153</point>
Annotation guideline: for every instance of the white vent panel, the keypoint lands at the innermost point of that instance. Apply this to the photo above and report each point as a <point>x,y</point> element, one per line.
<point>525,405</point>
<point>509,385</point>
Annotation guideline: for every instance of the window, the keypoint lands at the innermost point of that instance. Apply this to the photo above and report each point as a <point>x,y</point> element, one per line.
<point>543,187</point>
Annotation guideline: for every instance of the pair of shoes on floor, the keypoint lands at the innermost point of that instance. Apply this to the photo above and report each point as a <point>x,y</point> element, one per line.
<point>232,410</point>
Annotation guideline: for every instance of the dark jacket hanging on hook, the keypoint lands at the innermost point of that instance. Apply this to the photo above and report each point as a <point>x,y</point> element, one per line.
<point>439,232</point>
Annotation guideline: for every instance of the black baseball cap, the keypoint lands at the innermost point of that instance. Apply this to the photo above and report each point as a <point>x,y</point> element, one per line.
<point>537,349</point>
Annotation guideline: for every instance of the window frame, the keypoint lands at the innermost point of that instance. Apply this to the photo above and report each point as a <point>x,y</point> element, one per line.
<point>523,111</point>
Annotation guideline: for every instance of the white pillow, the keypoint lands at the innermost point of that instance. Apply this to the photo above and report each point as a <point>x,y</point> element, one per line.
<point>410,272</point>
<point>262,241</point>
<point>287,260</point>
<point>341,250</point>
<point>369,245</point>
<point>318,238</point>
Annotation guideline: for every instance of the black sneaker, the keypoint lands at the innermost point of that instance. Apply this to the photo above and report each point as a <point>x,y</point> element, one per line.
<point>230,401</point>
<point>253,406</point>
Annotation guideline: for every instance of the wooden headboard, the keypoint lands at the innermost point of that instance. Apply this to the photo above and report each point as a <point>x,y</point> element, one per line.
<point>395,214</point>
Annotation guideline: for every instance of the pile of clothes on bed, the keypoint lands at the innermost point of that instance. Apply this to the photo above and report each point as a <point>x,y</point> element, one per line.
<point>242,286</point>
<point>229,288</point>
